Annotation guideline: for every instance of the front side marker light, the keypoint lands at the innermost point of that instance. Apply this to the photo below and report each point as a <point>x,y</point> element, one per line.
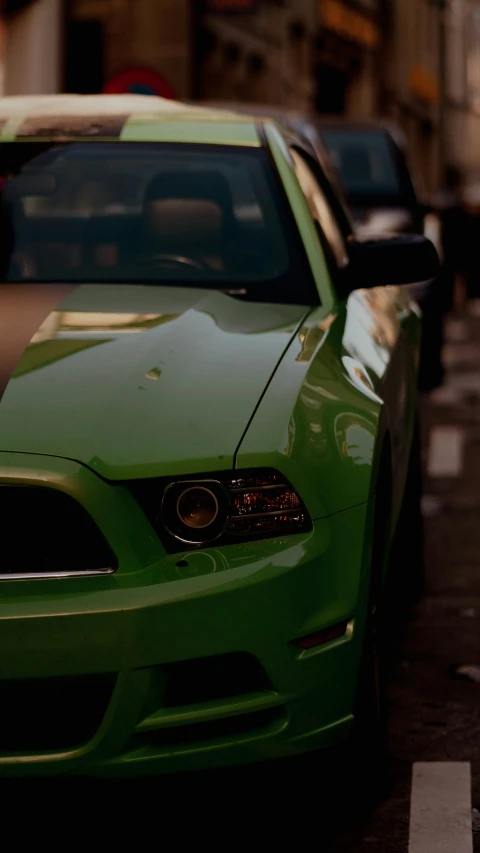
<point>320,638</point>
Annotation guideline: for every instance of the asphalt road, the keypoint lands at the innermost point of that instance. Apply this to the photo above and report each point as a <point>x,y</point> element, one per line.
<point>430,804</point>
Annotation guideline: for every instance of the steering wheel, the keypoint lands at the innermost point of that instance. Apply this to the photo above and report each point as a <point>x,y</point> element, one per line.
<point>172,260</point>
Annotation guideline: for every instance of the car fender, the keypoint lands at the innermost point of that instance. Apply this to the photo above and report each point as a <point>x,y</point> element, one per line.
<point>327,412</point>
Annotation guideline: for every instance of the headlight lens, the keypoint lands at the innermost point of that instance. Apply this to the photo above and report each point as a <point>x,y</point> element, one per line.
<point>197,507</point>
<point>246,505</point>
<point>195,512</point>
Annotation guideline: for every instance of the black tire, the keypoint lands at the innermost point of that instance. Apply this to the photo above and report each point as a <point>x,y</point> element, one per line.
<point>407,570</point>
<point>369,740</point>
<point>431,371</point>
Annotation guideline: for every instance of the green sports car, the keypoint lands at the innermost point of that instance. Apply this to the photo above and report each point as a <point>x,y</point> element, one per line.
<point>206,421</point>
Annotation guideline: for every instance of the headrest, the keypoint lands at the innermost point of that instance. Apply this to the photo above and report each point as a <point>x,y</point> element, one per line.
<point>184,224</point>
<point>209,186</point>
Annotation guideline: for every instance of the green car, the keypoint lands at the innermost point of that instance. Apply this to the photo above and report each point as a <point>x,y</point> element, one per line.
<point>207,417</point>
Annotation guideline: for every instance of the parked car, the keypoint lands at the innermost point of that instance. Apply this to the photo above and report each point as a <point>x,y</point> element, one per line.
<point>371,159</point>
<point>206,446</point>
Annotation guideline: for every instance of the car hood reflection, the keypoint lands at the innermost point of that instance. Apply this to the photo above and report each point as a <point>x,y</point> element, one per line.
<point>144,381</point>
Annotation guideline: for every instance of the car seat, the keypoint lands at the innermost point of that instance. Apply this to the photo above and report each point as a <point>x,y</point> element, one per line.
<point>189,216</point>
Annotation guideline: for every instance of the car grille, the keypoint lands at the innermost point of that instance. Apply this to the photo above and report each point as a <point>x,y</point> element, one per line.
<point>47,533</point>
<point>214,730</point>
<point>51,714</point>
<point>208,679</point>
<point>200,685</point>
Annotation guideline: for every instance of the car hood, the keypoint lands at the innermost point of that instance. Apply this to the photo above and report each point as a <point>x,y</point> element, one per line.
<point>135,381</point>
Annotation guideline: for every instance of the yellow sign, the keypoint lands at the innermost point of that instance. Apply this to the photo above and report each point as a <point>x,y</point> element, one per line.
<point>423,84</point>
<point>349,24</point>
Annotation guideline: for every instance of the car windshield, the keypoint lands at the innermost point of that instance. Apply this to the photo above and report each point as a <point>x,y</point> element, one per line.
<point>368,166</point>
<point>181,215</point>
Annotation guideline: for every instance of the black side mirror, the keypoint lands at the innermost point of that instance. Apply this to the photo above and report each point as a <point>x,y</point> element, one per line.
<point>397,259</point>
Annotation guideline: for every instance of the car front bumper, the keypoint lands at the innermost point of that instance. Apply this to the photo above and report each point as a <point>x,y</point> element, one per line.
<point>179,662</point>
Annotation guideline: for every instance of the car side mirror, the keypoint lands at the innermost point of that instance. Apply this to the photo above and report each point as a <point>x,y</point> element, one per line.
<point>396,259</point>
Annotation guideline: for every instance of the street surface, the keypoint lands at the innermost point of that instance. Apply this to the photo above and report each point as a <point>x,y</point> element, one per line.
<point>431,802</point>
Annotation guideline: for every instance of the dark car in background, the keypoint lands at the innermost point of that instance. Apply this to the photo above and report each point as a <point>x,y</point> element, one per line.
<point>371,162</point>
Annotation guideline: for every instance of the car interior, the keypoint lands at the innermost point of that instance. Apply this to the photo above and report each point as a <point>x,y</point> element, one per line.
<point>183,223</point>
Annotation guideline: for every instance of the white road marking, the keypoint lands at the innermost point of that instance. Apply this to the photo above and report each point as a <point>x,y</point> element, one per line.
<point>445,451</point>
<point>461,352</point>
<point>474,307</point>
<point>468,381</point>
<point>431,506</point>
<point>440,808</point>
<point>446,395</point>
<point>456,331</point>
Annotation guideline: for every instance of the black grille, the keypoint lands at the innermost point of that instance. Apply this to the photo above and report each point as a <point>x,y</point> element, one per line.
<point>218,677</point>
<point>44,715</point>
<point>45,531</point>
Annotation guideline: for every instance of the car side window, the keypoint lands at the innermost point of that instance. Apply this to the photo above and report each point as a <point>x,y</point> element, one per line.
<point>329,230</point>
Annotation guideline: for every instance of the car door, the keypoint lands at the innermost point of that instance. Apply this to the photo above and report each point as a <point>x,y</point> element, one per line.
<point>379,324</point>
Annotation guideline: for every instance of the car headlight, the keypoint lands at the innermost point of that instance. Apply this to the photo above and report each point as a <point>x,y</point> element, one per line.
<point>197,507</point>
<point>227,508</point>
<point>195,511</point>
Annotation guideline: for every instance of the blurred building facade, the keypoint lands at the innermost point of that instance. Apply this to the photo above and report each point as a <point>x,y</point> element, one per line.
<point>126,35</point>
<point>262,52</point>
<point>311,54</point>
<point>462,22</point>
<point>416,62</point>
<point>411,81</point>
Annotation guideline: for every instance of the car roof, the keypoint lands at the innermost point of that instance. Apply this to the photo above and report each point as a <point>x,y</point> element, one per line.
<point>362,125</point>
<point>245,107</point>
<point>135,118</point>
<point>288,116</point>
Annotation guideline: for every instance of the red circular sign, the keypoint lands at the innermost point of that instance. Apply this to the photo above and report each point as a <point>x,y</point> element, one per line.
<point>139,81</point>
